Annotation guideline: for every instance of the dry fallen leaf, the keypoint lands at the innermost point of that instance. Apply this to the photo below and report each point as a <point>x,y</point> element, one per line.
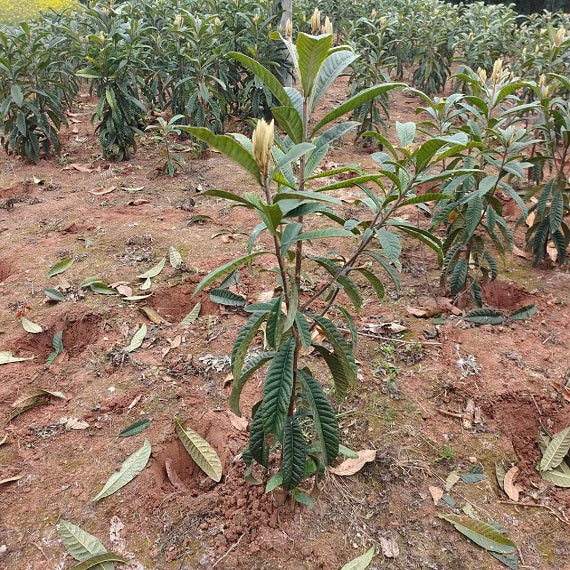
<point>389,546</point>
<point>530,219</point>
<point>125,290</point>
<point>510,488</point>
<point>264,297</point>
<point>239,423</point>
<point>103,191</point>
<point>79,167</point>
<point>521,252</point>
<point>154,317</point>
<point>137,202</point>
<point>175,342</point>
<point>416,312</point>
<point>173,477</point>
<point>11,479</point>
<point>436,494</point>
<point>73,423</point>
<point>352,466</point>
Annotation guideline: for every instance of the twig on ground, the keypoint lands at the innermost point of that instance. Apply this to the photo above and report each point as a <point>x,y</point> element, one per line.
<point>392,339</point>
<point>234,545</point>
<point>536,505</point>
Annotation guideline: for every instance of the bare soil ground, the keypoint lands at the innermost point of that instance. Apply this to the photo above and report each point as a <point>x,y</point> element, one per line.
<point>409,405</point>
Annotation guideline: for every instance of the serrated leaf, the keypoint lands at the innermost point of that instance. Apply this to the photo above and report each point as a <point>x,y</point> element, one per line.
<point>278,388</point>
<point>80,544</point>
<point>294,453</point>
<point>6,357</point>
<point>191,316</point>
<point>227,297</point>
<point>100,561</point>
<point>101,288</point>
<point>54,295</point>
<point>482,533</point>
<point>258,446</point>
<point>274,482</point>
<point>174,257</point>
<point>560,475</point>
<point>243,340</point>
<point>31,327</point>
<point>154,271</point>
<point>135,428</point>
<point>524,313</point>
<point>250,366</point>
<point>362,562</point>
<point>200,451</point>
<point>57,342</point>
<point>130,468</point>
<point>485,316</point>
<point>60,267</point>
<point>556,450</point>
<point>137,339</point>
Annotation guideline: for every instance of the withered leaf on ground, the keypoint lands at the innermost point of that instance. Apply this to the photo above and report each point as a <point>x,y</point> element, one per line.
<point>352,466</point>
<point>512,490</point>
<point>436,493</point>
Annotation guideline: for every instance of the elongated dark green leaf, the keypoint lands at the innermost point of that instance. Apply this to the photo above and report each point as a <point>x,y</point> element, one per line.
<point>54,295</point>
<point>485,316</point>
<point>324,233</point>
<point>356,101</point>
<point>459,276</point>
<point>427,197</point>
<point>135,428</point>
<point>351,326</point>
<point>224,269</point>
<point>278,388</point>
<point>481,533</point>
<point>200,451</point>
<point>130,468</point>
<point>243,341</point>
<point>304,330</point>
<point>524,313</point>
<point>406,133</point>
<point>391,245</point>
<point>312,52</point>
<point>99,560</point>
<point>326,424</point>
<point>294,154</point>
<point>229,147</point>
<point>258,446</point>
<point>227,297</point>
<point>556,451</point>
<point>60,266</point>
<point>385,265</point>
<point>250,366</point>
<point>101,288</point>
<point>556,210</point>
<point>269,80</point>
<point>333,66</point>
<point>294,454</point>
<point>273,328</point>
<point>560,475</point>
<point>335,133</point>
<point>289,120</point>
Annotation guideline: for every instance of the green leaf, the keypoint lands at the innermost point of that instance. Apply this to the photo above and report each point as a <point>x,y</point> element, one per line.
<point>391,246</point>
<point>250,366</point>
<point>88,280</point>
<point>326,424</point>
<point>304,330</point>
<point>406,133</point>
<point>278,388</point>
<point>6,357</point>
<point>459,276</point>
<point>556,451</point>
<point>427,197</point>
<point>191,316</point>
<point>31,327</point>
<point>227,297</point>
<point>324,233</point>
<point>289,120</point>
<point>556,210</point>
<point>228,196</point>
<point>17,95</point>
<point>347,452</point>
<point>274,482</point>
<point>362,562</point>
<point>312,52</point>
<point>294,454</point>
<point>560,475</point>
<point>60,267</point>
<point>57,342</point>
<point>100,560</point>
<point>356,101</point>
<point>243,340</point>
<point>154,271</point>
<point>258,446</point>
<point>268,79</point>
<point>509,560</point>
<point>130,468</point>
<point>524,313</point>
<point>485,316</point>
<point>137,339</point>
<point>80,544</point>
<point>481,533</point>
<point>135,428</point>
<point>293,154</point>
<point>224,269</point>
<point>335,133</point>
<point>54,295</point>
<point>333,66</point>
<point>101,288</point>
<point>200,451</point>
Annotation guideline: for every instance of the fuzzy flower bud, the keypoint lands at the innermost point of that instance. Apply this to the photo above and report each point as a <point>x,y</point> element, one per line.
<point>262,141</point>
<point>316,21</point>
<point>327,26</point>
<point>497,71</point>
<point>559,38</point>
<point>382,22</point>
<point>178,21</point>
<point>217,22</point>
<point>373,14</point>
<point>482,74</point>
<point>255,19</point>
<point>288,28</point>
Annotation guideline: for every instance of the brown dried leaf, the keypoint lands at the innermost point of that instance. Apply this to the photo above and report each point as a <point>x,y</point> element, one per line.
<point>239,423</point>
<point>389,546</point>
<point>264,297</point>
<point>176,341</point>
<point>521,252</point>
<point>510,488</point>
<point>103,191</point>
<point>173,477</point>
<point>352,466</point>
<point>416,312</point>
<point>125,290</point>
<point>154,317</point>
<point>436,493</point>
<point>11,479</point>
<point>79,167</point>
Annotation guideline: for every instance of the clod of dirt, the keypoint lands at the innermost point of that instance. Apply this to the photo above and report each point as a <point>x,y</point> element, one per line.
<point>5,269</point>
<point>174,303</point>
<point>78,333</point>
<point>503,295</point>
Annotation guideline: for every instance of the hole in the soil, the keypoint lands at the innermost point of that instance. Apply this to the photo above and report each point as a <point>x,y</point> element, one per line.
<point>5,269</point>
<point>174,459</point>
<point>78,333</point>
<point>502,295</point>
<point>174,303</point>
